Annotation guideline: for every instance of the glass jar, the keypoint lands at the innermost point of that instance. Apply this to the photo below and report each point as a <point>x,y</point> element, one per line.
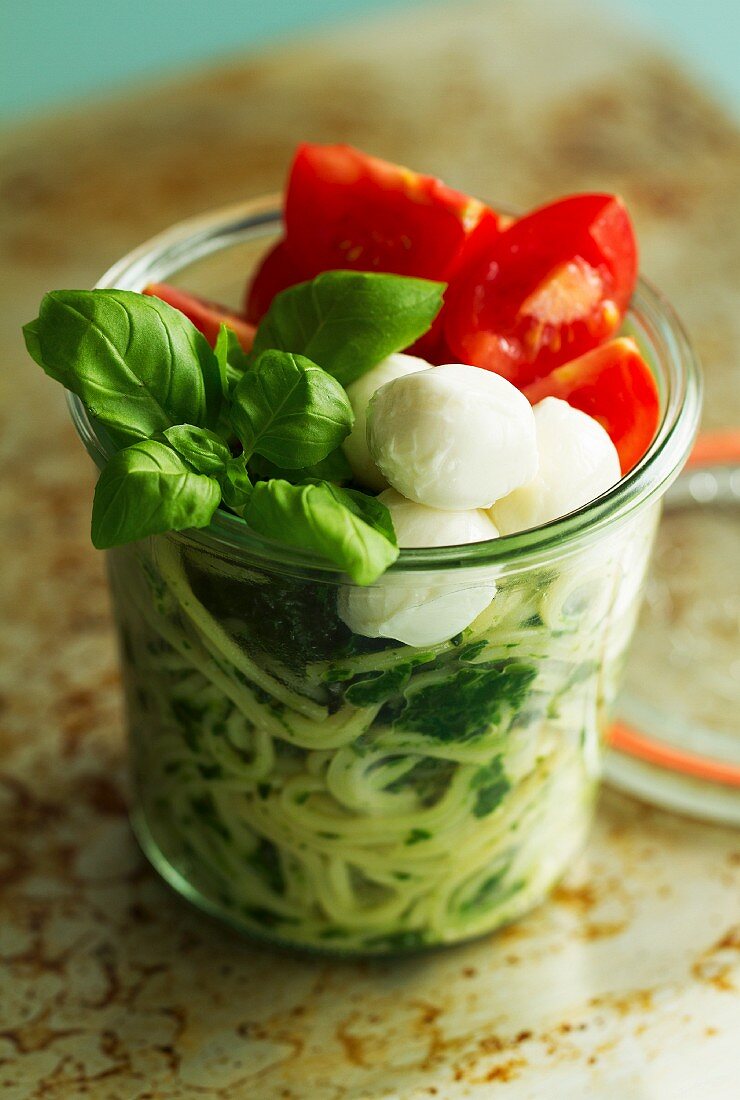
<point>331,791</point>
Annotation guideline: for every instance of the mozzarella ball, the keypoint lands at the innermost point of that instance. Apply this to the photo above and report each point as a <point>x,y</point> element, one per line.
<point>416,525</point>
<point>359,393</point>
<point>453,437</point>
<point>426,610</point>
<point>578,462</point>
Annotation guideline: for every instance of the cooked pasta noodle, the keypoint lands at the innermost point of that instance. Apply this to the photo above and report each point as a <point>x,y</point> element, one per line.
<point>373,797</point>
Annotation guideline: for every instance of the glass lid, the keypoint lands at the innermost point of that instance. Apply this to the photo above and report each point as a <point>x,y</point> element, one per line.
<point>676,741</point>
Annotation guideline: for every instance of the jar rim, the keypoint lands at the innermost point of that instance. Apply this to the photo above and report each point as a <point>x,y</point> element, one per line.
<point>650,313</point>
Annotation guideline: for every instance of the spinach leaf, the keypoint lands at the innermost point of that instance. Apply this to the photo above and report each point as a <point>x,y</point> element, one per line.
<point>315,517</point>
<point>347,321</point>
<point>399,942</point>
<point>491,784</point>
<point>429,779</point>
<point>292,620</point>
<point>378,686</point>
<point>465,705</point>
<point>487,893</point>
<point>138,365</point>
<point>416,836</point>
<point>265,860</point>
<point>204,807</point>
<point>469,652</point>
<point>146,489</point>
<point>289,410</point>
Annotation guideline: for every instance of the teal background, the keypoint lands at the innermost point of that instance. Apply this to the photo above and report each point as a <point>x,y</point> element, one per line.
<point>55,51</point>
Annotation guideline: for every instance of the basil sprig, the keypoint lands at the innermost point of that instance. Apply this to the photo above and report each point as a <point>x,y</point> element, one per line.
<point>172,405</point>
<point>137,364</point>
<point>232,360</point>
<point>347,321</point>
<point>289,410</point>
<point>206,453</point>
<point>148,488</point>
<point>351,529</point>
<point>334,467</point>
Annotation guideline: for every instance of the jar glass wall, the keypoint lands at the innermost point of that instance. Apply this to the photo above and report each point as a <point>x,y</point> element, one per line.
<point>328,790</point>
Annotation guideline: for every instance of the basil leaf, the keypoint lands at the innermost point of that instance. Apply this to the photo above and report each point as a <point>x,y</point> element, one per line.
<point>233,360</point>
<point>289,410</point>
<point>207,453</point>
<point>137,364</point>
<point>367,508</point>
<point>315,517</point>
<point>334,467</point>
<point>236,487</point>
<point>146,489</point>
<point>347,321</point>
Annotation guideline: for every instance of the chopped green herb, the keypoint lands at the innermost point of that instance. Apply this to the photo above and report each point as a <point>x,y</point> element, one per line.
<point>467,704</point>
<point>205,808</point>
<point>378,686</point>
<point>415,836</point>
<point>265,859</point>
<point>409,940</point>
<point>491,784</point>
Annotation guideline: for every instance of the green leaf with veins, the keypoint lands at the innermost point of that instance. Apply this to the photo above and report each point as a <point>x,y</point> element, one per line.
<point>232,359</point>
<point>236,487</point>
<point>138,365</point>
<point>169,401</point>
<point>367,508</point>
<point>289,410</point>
<point>316,516</point>
<point>207,453</point>
<point>147,489</point>
<point>347,321</point>
<point>334,467</point>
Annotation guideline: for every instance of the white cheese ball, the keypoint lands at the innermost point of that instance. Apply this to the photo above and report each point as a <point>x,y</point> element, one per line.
<point>427,610</point>
<point>417,525</point>
<point>578,462</point>
<point>453,437</point>
<point>359,393</point>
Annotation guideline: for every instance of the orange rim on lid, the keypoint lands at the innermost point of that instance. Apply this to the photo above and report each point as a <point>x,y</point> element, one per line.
<point>660,757</point>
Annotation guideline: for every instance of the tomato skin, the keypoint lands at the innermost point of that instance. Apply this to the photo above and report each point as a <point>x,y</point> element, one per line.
<point>207,316</point>
<point>276,272</point>
<point>345,209</point>
<point>614,384</point>
<point>433,345</point>
<point>552,286</point>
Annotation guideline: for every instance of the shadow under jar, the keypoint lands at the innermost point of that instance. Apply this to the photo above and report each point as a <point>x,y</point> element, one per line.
<point>353,795</point>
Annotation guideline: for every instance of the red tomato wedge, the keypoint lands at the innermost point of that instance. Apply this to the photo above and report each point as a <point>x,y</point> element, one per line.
<point>345,209</point>
<point>276,272</point>
<point>206,316</point>
<point>552,286</point>
<point>615,385</point>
